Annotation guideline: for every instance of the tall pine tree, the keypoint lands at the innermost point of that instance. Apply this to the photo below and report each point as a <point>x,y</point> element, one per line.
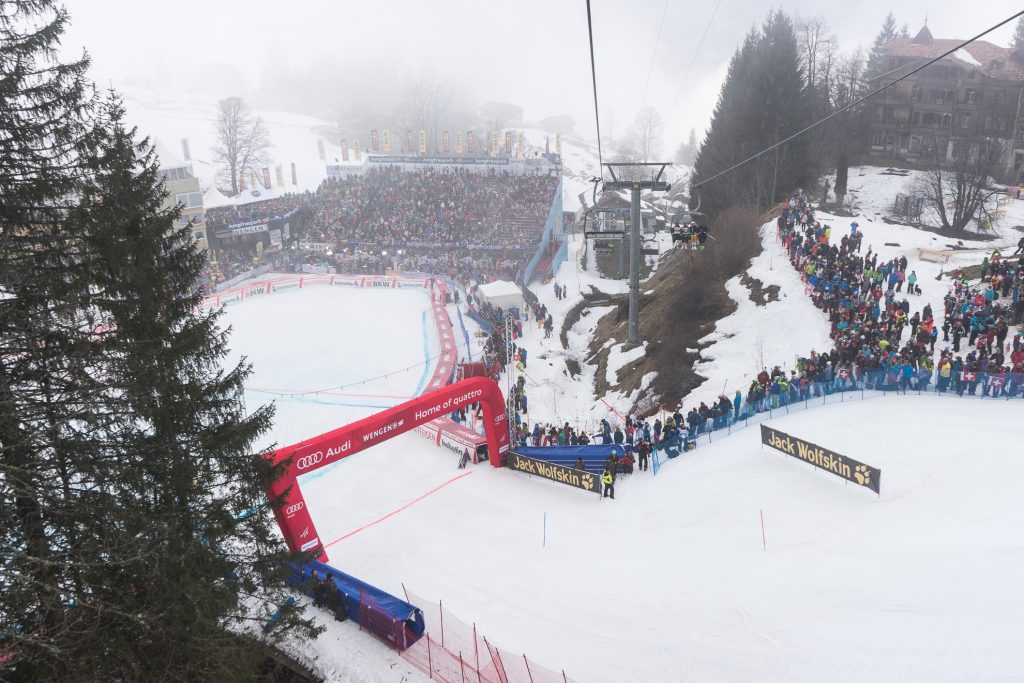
<point>188,462</point>
<point>125,454</point>
<point>52,408</point>
<point>763,101</point>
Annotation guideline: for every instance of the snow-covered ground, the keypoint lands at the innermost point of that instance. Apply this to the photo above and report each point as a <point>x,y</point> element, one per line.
<point>327,356</point>
<point>670,581</point>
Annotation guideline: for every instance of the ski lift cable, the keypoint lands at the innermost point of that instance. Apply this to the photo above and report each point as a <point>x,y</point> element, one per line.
<point>593,77</point>
<point>657,42</point>
<point>693,59</point>
<point>881,88</point>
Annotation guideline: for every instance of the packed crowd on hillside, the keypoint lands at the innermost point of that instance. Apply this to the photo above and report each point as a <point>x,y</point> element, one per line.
<point>472,226</point>
<point>432,207</point>
<point>969,347</point>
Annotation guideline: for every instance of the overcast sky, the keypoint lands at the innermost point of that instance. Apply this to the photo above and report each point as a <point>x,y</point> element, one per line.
<point>530,52</point>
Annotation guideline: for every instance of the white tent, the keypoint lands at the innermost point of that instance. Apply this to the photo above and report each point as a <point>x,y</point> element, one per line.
<point>214,199</point>
<point>502,293</point>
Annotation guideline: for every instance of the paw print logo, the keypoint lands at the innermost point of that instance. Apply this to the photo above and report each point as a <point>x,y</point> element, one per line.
<point>588,481</point>
<point>862,474</point>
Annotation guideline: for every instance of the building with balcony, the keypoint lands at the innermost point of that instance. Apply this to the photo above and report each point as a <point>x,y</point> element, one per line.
<point>962,104</point>
<point>182,188</point>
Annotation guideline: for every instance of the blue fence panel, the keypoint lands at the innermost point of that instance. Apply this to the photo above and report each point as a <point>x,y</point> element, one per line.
<point>552,226</point>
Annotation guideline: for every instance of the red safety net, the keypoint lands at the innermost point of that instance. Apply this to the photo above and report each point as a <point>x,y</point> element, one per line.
<point>454,651</point>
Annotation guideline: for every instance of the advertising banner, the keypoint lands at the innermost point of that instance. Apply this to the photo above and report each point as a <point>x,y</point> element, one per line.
<point>275,238</point>
<point>494,142</point>
<point>408,141</point>
<point>469,142</point>
<point>344,150</point>
<point>423,141</point>
<point>458,142</point>
<point>357,154</point>
<point>444,142</point>
<point>580,479</point>
<point>374,141</point>
<point>266,178</point>
<point>295,176</point>
<point>279,174</point>
<point>387,141</point>
<point>830,461</point>
<point>558,144</point>
<point>508,142</point>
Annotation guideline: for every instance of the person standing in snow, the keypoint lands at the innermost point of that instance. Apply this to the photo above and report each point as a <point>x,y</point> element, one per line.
<point>609,484</point>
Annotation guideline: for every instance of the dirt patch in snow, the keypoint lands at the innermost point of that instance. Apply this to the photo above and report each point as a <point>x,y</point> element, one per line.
<point>760,294</point>
<point>679,305</point>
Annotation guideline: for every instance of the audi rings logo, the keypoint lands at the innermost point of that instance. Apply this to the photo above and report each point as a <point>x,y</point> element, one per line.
<point>307,461</point>
<point>292,509</point>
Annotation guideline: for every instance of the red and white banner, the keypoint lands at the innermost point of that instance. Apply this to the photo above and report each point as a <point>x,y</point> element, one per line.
<point>374,141</point>
<point>453,437</point>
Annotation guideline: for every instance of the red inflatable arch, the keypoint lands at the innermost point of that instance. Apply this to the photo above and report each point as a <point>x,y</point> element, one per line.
<point>312,454</point>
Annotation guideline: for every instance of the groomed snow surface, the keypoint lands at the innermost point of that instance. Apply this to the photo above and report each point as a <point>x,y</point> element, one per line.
<point>669,582</point>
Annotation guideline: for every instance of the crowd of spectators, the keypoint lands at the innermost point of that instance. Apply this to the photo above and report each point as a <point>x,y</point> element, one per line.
<point>475,227</point>
<point>878,343</point>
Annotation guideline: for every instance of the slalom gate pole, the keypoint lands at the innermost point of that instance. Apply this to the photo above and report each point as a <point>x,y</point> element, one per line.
<point>764,540</point>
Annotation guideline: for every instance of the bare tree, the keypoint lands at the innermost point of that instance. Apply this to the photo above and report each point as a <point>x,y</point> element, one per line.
<point>242,142</point>
<point>424,106</point>
<point>647,133</point>
<point>818,51</point>
<point>960,191</point>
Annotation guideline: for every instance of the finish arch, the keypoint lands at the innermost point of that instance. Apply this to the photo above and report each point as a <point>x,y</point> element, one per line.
<point>311,454</point>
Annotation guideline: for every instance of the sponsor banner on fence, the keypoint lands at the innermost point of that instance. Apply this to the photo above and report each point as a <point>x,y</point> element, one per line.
<point>470,142</point>
<point>830,461</point>
<point>581,479</point>
<point>344,150</point>
<point>374,141</point>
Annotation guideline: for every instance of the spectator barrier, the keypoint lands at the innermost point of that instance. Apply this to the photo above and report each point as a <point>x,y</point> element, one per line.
<point>391,619</point>
<point>255,272</point>
<point>594,455</point>
<point>979,386</point>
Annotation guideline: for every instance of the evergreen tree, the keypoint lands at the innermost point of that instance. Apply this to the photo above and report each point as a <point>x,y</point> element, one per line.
<point>52,409</point>
<point>187,565</point>
<point>125,455</point>
<point>762,101</point>
<point>877,57</point>
<point>1017,42</point>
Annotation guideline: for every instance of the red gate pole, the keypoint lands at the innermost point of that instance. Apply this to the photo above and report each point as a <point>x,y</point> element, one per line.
<point>430,662</point>
<point>528,672</point>
<point>476,649</point>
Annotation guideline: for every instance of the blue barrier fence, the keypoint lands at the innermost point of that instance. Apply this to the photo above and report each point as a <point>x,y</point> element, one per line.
<point>465,334</point>
<point>593,456</point>
<point>978,386</point>
<point>483,322</point>
<point>389,618</point>
<point>552,226</point>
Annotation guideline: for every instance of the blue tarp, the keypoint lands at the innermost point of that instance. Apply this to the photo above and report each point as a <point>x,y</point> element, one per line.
<point>594,456</point>
<point>397,609</point>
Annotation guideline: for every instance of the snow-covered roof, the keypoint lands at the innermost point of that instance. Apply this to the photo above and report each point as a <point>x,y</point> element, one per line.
<point>214,199</point>
<point>500,288</point>
<point>963,55</point>
<point>168,156</point>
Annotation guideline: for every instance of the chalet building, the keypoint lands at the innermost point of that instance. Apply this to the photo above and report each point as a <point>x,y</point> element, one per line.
<point>958,106</point>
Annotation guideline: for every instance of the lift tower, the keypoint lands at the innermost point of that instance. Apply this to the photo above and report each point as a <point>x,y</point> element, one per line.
<point>635,177</point>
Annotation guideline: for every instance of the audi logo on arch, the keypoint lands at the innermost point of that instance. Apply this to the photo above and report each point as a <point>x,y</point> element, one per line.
<point>292,509</point>
<point>307,461</point>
